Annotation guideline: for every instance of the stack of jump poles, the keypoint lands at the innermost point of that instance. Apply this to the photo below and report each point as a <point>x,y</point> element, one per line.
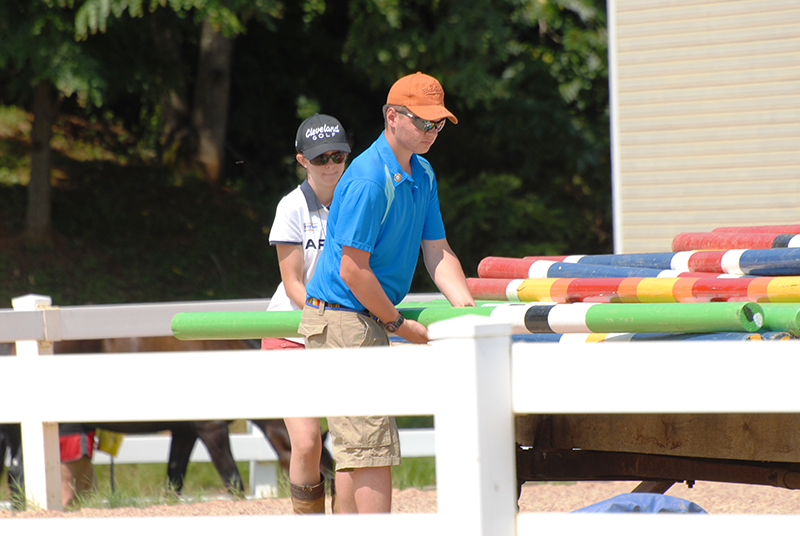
<point>734,283</point>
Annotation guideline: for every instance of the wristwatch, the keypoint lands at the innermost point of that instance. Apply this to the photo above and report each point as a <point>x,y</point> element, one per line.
<point>391,327</point>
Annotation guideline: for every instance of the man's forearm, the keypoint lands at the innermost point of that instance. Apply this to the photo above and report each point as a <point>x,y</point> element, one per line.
<point>364,285</point>
<point>450,280</point>
<point>446,271</point>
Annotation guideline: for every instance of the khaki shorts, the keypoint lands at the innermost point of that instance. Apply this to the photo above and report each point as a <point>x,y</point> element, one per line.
<point>368,441</point>
<point>325,327</point>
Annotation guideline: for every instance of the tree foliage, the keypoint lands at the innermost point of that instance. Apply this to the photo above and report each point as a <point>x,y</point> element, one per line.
<point>526,171</point>
<point>228,16</point>
<point>38,44</point>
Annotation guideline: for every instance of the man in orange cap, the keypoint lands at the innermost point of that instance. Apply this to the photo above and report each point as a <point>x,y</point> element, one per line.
<point>385,205</point>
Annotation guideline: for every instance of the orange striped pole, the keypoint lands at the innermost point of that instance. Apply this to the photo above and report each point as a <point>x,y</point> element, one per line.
<point>638,289</point>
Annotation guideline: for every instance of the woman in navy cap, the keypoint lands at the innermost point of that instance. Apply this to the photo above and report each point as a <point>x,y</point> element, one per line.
<point>298,233</point>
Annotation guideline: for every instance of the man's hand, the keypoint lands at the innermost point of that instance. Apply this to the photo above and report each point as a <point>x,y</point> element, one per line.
<point>413,331</point>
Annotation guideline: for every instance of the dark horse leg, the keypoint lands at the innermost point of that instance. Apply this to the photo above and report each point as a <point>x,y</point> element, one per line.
<point>214,434</point>
<point>180,449</point>
<point>278,436</point>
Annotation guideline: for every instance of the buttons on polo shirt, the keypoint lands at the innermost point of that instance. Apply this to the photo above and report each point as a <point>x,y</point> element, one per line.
<point>397,177</point>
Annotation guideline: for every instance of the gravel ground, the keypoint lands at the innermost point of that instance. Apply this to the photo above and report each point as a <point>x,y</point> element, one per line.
<point>713,497</point>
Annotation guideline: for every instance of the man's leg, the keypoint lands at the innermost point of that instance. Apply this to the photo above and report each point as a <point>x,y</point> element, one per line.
<point>366,490</point>
<point>364,448</point>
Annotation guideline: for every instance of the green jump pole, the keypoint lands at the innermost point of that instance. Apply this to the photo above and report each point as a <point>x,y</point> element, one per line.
<point>643,317</point>
<point>428,315</point>
<point>278,324</point>
<point>235,325</point>
<point>559,318</point>
<point>782,317</point>
<point>675,317</point>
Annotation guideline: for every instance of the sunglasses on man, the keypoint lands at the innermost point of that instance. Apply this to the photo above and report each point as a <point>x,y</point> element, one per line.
<point>423,124</point>
<point>338,157</point>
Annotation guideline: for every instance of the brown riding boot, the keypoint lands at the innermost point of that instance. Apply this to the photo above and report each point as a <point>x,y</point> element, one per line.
<point>308,499</point>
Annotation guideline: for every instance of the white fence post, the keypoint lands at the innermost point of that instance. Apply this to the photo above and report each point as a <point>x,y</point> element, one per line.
<point>263,475</point>
<point>41,457</point>
<point>475,468</point>
<point>33,302</point>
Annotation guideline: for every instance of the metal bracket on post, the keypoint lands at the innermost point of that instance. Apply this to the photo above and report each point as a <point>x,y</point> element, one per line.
<point>41,458</point>
<point>51,320</point>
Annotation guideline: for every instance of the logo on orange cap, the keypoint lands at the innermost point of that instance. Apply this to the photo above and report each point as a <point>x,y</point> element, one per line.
<point>422,95</point>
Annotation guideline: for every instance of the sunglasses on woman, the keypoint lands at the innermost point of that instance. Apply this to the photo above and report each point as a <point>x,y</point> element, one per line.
<point>423,124</point>
<point>337,157</point>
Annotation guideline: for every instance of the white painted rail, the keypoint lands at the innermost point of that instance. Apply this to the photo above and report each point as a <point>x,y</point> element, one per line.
<point>154,448</point>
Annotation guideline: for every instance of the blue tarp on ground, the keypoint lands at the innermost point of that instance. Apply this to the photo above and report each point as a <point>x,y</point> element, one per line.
<point>642,503</point>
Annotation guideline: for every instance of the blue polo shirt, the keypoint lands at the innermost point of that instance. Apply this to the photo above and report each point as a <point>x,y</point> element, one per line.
<point>379,208</point>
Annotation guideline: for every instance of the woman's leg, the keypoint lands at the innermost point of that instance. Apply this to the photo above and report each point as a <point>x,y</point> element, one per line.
<point>77,479</point>
<point>306,450</point>
<point>305,481</point>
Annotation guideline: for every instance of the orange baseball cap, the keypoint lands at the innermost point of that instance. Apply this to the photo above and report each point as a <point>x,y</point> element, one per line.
<point>423,95</point>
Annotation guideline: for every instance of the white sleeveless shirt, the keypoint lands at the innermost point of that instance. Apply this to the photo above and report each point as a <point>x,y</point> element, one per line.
<point>300,219</point>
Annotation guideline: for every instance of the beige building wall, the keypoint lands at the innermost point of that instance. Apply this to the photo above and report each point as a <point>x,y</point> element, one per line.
<point>705,117</point>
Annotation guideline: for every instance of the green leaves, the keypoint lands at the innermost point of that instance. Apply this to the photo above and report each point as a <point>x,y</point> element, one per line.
<point>227,17</point>
<point>38,44</point>
<point>93,15</point>
<point>73,73</point>
<point>527,166</point>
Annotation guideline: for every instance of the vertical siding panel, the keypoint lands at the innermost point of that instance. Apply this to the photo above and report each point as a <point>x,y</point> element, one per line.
<point>705,112</point>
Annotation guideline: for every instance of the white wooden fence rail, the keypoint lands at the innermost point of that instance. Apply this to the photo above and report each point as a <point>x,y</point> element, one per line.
<point>34,318</point>
<point>470,378</point>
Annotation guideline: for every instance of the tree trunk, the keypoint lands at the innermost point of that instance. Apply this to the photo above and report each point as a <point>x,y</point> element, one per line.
<point>37,220</point>
<point>210,113</point>
<point>176,135</point>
